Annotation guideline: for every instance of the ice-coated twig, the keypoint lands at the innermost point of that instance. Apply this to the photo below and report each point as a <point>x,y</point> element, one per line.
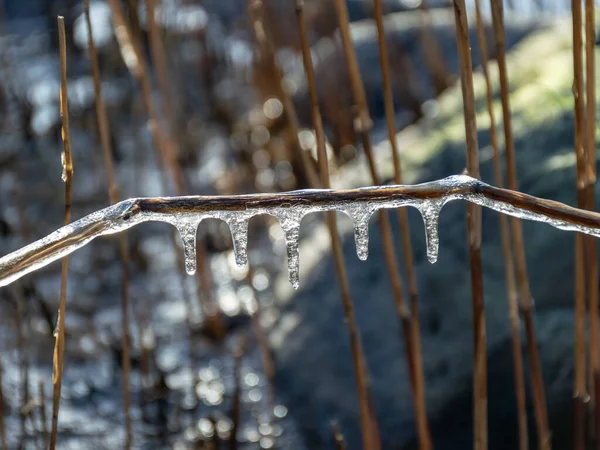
<point>290,207</point>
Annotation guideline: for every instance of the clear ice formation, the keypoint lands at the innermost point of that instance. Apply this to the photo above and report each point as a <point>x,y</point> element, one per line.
<point>129,213</point>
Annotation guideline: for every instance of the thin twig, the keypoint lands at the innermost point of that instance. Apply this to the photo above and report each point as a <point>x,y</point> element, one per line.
<point>129,213</point>
<point>413,324</point>
<point>300,158</point>
<point>480,422</point>
<point>23,365</point>
<point>113,191</point>
<point>236,407</point>
<point>59,348</point>
<point>434,59</point>
<point>511,287</point>
<point>592,250</point>
<point>526,301</point>
<point>2,423</point>
<point>340,443</point>
<point>43,424</point>
<point>165,144</point>
<point>358,358</point>
<point>580,395</point>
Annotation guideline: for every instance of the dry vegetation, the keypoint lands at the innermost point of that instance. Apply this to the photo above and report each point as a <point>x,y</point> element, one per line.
<point>202,376</point>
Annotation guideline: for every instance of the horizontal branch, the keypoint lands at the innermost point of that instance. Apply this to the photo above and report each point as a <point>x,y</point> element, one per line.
<point>187,212</point>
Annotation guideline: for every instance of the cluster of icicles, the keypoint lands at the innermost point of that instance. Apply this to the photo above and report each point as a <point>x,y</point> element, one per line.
<point>289,208</point>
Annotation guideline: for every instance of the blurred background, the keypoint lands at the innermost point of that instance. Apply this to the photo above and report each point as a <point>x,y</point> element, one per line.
<point>236,351</point>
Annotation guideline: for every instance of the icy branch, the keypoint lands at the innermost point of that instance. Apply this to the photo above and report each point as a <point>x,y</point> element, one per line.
<point>289,208</point>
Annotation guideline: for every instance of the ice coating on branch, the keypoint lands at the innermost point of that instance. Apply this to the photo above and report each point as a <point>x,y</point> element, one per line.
<point>186,213</point>
<point>290,219</point>
<point>360,215</point>
<point>188,228</point>
<point>238,225</point>
<point>430,211</point>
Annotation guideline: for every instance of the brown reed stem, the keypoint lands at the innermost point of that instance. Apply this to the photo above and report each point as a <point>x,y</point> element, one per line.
<point>163,142</point>
<point>592,249</point>
<point>526,301</point>
<point>363,125</point>
<point>159,59</point>
<point>511,286</point>
<point>59,348</point>
<point>580,395</point>
<point>434,59</point>
<point>417,378</point>
<point>368,426</point>
<point>340,443</point>
<point>236,406</point>
<point>113,192</point>
<point>263,343</point>
<point>23,366</point>
<point>299,158</point>
<point>2,423</point>
<point>474,233</point>
<point>43,424</point>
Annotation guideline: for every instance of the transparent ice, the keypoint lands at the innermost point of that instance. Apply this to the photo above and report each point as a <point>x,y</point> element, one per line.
<point>289,211</point>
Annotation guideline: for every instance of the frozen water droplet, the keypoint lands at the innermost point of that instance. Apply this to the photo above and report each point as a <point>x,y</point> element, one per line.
<point>360,215</point>
<point>187,230</point>
<point>290,224</point>
<point>238,224</point>
<point>430,211</point>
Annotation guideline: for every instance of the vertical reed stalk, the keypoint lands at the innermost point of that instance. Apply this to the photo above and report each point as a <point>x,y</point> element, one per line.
<point>526,301</point>
<point>474,233</point>
<point>592,249</point>
<point>236,403</point>
<point>43,424</point>
<point>67,160</point>
<point>509,269</point>
<point>113,192</point>
<point>2,424</point>
<point>166,147</point>
<point>417,378</point>
<point>340,443</point>
<point>434,59</point>
<point>368,427</point>
<point>299,158</point>
<point>17,291</point>
<point>580,395</point>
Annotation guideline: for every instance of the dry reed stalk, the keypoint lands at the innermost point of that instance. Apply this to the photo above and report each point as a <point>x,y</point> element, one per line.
<point>412,323</point>
<point>592,250</point>
<point>263,343</point>
<point>166,147</point>
<point>340,443</point>
<point>363,124</point>
<point>113,193</point>
<point>159,59</point>
<point>580,395</point>
<point>434,59</point>
<point>509,270</point>
<point>526,301</point>
<point>368,425</point>
<point>17,292</point>
<point>480,422</point>
<point>2,424</point>
<point>300,159</point>
<point>67,161</point>
<point>43,424</point>
<point>236,406</point>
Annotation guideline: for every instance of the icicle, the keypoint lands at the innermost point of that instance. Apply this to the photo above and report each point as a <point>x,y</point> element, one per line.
<point>188,229</point>
<point>430,211</point>
<point>238,225</point>
<point>360,215</point>
<point>290,223</point>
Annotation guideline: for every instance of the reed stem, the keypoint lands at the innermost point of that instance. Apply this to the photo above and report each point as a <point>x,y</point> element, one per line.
<point>59,348</point>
